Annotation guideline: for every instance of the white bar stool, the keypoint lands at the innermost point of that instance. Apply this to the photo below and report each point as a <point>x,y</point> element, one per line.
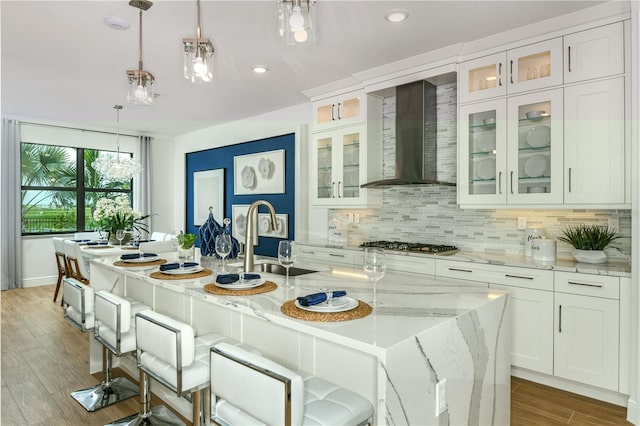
<point>252,389</point>
<point>169,352</point>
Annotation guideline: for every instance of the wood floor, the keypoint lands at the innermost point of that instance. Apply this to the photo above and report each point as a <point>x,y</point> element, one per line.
<point>44,359</point>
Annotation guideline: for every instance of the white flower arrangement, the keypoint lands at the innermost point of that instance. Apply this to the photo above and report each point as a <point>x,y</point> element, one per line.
<point>113,214</point>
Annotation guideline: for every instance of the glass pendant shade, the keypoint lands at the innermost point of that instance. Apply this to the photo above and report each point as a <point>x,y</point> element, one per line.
<point>296,20</point>
<point>140,90</point>
<point>118,167</point>
<point>198,60</point>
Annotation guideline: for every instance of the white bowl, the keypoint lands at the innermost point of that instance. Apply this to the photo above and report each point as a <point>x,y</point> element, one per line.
<point>535,114</point>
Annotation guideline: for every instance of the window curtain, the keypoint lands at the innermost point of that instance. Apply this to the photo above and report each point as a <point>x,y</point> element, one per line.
<point>10,216</point>
<point>143,182</point>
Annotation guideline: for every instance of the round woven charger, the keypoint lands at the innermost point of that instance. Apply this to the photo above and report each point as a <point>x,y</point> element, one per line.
<point>360,311</point>
<point>264,288</point>
<point>128,248</point>
<point>98,247</point>
<point>161,276</point>
<point>132,264</point>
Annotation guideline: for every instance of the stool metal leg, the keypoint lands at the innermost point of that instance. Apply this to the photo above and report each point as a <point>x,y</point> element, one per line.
<point>156,416</point>
<point>108,392</point>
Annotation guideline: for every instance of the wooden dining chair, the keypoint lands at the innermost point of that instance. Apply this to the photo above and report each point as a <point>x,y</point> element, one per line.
<point>61,262</point>
<point>73,267</point>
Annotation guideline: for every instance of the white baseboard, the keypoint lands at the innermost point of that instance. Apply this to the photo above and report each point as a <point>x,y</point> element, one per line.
<point>632,412</point>
<point>39,281</point>
<point>574,387</point>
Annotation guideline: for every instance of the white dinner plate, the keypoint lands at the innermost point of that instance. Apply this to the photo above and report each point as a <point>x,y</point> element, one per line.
<point>485,141</point>
<point>536,165</point>
<point>346,304</point>
<point>242,286</point>
<point>141,259</point>
<point>184,271</point>
<point>539,136</point>
<point>486,168</point>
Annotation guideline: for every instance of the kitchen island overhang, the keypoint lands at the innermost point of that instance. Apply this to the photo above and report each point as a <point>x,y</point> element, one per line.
<point>429,330</point>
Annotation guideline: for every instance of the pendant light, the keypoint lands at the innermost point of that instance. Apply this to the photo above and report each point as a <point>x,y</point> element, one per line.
<point>198,56</point>
<point>296,20</point>
<point>140,81</point>
<point>119,168</point>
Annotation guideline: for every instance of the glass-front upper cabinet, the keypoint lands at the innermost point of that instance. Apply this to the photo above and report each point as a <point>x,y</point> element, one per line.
<point>535,148</point>
<point>483,156</point>
<point>530,67</point>
<point>340,110</point>
<point>338,166</point>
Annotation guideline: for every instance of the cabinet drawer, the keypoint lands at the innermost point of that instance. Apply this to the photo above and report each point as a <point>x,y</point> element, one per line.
<point>587,285</point>
<point>326,255</point>
<point>505,275</point>
<point>401,263</point>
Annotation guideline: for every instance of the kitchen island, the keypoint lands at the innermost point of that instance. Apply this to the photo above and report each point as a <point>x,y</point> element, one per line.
<point>428,331</point>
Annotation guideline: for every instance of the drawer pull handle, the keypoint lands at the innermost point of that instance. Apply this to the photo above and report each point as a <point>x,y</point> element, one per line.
<point>511,72</point>
<point>569,55</point>
<point>560,319</point>
<point>460,270</point>
<point>584,284</point>
<point>333,107</point>
<point>518,276</point>
<point>500,74</point>
<point>336,255</point>
<point>308,251</point>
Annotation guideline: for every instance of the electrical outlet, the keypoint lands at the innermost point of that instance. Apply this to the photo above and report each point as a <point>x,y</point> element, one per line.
<point>614,223</point>
<point>441,397</point>
<point>522,223</point>
<point>350,217</point>
<point>356,217</point>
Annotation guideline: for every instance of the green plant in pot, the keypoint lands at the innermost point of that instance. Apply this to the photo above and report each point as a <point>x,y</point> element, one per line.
<point>589,241</point>
<point>186,249</point>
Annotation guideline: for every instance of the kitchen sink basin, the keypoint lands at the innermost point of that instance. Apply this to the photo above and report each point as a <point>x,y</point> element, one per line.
<point>275,268</point>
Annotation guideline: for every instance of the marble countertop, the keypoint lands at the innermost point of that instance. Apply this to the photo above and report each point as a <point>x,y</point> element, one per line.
<point>411,304</point>
<point>621,269</point>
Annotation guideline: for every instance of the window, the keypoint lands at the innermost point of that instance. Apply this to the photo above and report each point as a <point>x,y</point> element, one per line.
<point>60,188</point>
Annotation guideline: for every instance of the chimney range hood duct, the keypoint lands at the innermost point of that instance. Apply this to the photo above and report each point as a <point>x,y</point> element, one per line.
<point>416,137</point>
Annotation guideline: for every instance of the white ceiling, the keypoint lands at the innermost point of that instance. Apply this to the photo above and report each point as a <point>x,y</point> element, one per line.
<point>60,62</point>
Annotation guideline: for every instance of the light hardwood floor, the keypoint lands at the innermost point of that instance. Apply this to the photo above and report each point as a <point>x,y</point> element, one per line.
<point>44,359</point>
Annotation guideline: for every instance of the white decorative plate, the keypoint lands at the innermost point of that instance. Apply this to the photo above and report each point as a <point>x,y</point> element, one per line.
<point>141,259</point>
<point>537,165</point>
<point>539,136</point>
<point>184,271</point>
<point>486,168</point>
<point>242,285</point>
<point>485,141</point>
<point>345,305</point>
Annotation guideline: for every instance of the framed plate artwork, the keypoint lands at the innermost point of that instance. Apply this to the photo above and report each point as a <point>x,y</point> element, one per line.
<point>208,191</point>
<point>239,223</point>
<point>264,226</point>
<point>259,173</point>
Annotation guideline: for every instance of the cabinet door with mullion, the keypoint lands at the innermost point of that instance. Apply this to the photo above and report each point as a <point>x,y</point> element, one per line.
<point>482,153</point>
<point>535,148</point>
<point>535,66</point>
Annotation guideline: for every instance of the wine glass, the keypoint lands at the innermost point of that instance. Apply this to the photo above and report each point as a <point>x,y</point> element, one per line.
<point>223,247</point>
<point>286,257</point>
<point>374,267</point>
<point>120,235</point>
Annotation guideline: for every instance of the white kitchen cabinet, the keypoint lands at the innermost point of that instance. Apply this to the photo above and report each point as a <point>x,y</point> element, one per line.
<point>325,255</point>
<point>345,109</point>
<point>402,262</point>
<point>532,328</point>
<point>586,340</point>
<point>594,144</point>
<point>594,53</point>
<point>532,67</point>
<point>511,150</point>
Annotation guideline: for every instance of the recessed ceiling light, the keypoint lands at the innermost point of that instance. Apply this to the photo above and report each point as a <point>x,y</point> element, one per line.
<point>396,15</point>
<point>116,23</point>
<point>260,69</point>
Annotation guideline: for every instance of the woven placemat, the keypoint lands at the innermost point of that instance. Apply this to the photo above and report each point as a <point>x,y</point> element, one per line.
<point>129,248</point>
<point>134,264</point>
<point>264,288</point>
<point>360,311</point>
<point>161,276</point>
<point>98,247</point>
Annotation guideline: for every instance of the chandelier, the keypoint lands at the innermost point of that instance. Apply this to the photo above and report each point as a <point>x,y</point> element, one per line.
<point>297,21</point>
<point>198,56</point>
<point>140,81</point>
<point>120,168</point>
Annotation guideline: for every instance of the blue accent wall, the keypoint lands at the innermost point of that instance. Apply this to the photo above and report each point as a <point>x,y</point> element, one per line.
<point>222,158</point>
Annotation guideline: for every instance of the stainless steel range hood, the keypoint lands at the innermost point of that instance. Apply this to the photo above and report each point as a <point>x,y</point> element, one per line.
<point>416,137</point>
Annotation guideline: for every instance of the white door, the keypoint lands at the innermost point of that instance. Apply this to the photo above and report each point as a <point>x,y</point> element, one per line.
<point>532,328</point>
<point>535,66</point>
<point>598,52</point>
<point>483,78</point>
<point>594,143</point>
<point>586,340</point>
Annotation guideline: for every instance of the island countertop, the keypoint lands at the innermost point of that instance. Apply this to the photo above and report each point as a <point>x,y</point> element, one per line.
<point>423,321</point>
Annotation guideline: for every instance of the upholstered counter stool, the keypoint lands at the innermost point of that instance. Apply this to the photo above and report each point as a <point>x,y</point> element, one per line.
<point>169,352</point>
<point>73,254</point>
<point>251,389</point>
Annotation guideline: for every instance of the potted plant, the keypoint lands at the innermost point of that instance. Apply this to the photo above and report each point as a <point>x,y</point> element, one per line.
<point>114,214</point>
<point>589,241</point>
<point>186,249</point>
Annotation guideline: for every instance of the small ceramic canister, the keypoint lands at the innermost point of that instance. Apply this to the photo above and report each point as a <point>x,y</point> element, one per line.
<point>530,234</point>
<point>543,250</point>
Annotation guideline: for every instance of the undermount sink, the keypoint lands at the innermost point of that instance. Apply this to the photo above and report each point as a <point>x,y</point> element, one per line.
<point>275,268</point>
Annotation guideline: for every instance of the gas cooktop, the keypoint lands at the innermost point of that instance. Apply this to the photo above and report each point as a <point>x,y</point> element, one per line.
<point>440,249</point>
